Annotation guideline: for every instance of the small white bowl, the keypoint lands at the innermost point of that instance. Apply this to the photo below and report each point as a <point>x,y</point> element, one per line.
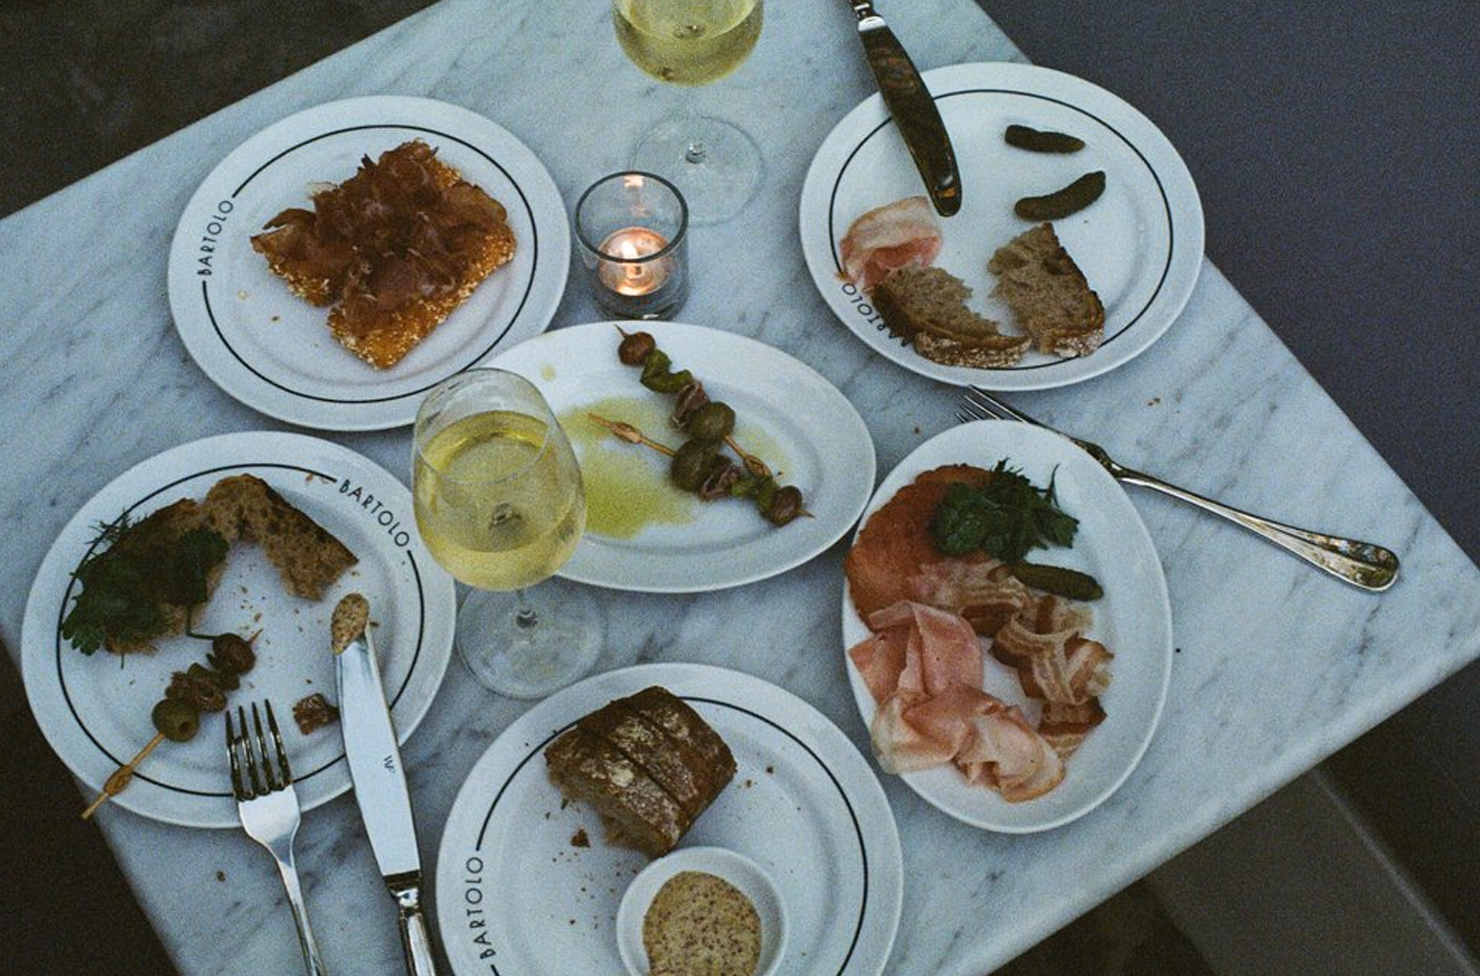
<point>737,869</point>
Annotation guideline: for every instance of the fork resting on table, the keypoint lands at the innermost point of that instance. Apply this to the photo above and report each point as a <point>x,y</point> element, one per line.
<point>268,805</point>
<point>1360,563</point>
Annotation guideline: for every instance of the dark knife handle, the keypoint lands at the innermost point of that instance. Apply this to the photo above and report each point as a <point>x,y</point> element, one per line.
<point>913,109</point>
<point>416,940</point>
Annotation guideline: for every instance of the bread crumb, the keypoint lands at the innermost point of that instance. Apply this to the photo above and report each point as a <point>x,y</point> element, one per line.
<point>580,839</point>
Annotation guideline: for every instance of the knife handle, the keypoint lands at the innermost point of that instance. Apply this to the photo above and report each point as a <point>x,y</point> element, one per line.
<point>415,938</point>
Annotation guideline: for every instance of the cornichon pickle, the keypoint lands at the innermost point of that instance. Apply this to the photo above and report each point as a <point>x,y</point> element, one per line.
<point>1035,140</point>
<point>1061,203</point>
<point>1059,581</point>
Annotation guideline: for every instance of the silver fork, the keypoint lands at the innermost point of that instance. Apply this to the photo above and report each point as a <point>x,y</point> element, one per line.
<point>268,805</point>
<point>1360,563</point>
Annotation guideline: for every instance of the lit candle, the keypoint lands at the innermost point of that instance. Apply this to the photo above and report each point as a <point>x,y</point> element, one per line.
<point>620,269</point>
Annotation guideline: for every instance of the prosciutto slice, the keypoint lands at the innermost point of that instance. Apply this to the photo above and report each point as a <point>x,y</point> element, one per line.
<point>890,237</point>
<point>924,668</point>
<point>1053,661</point>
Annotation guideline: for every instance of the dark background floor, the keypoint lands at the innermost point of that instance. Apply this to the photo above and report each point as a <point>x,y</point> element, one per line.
<point>1336,151</point>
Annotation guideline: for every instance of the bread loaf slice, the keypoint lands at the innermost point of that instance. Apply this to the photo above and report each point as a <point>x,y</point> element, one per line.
<point>307,557</point>
<point>1048,293</point>
<point>636,810</point>
<point>927,307</point>
<point>680,722</point>
<point>670,766</point>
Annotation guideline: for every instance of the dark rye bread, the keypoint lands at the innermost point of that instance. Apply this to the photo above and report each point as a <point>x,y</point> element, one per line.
<point>666,761</point>
<point>1048,294</point>
<point>648,764</point>
<point>674,716</point>
<point>636,810</point>
<point>927,307</point>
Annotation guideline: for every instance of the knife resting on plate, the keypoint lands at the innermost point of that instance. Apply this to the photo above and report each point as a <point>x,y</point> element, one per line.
<point>912,107</point>
<point>380,783</point>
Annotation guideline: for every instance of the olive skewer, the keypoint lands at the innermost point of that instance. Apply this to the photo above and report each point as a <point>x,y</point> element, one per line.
<point>778,503</point>
<point>121,777</point>
<point>178,718</point>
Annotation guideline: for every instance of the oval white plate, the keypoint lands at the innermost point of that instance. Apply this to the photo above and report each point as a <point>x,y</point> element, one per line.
<point>95,709</point>
<point>1140,245</point>
<point>515,891</point>
<point>814,437</point>
<point>1133,619</point>
<point>270,349</point>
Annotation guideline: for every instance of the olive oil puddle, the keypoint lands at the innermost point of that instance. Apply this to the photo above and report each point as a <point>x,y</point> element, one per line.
<point>627,487</point>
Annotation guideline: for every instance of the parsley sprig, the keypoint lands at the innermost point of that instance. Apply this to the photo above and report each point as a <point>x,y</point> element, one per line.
<point>132,575</point>
<point>1006,517</point>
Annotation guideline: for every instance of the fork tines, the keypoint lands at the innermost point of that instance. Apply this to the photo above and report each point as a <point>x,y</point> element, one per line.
<point>981,405</point>
<point>246,780</point>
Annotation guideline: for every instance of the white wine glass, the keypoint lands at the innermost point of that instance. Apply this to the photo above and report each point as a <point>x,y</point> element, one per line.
<point>714,163</point>
<point>500,504</point>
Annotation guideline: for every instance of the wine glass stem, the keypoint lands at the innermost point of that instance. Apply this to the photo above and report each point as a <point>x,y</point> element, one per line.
<point>525,615</point>
<point>695,153</point>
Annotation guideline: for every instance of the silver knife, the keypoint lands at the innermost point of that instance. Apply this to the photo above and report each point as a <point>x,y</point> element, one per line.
<point>913,108</point>
<point>380,782</point>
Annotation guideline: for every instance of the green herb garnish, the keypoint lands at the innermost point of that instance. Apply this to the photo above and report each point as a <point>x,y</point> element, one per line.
<point>132,575</point>
<point>1007,517</point>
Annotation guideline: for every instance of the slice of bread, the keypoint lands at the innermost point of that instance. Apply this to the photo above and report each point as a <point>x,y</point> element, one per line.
<point>306,556</point>
<point>688,782</point>
<point>679,721</point>
<point>395,249</point>
<point>636,810</point>
<point>927,307</point>
<point>1048,293</point>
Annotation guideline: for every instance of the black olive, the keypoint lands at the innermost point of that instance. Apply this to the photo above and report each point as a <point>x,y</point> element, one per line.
<point>691,464</point>
<point>178,720</point>
<point>635,347</point>
<point>712,422</point>
<point>232,653</point>
<point>785,505</point>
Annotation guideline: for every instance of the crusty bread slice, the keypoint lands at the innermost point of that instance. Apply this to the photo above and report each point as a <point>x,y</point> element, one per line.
<point>1048,293</point>
<point>367,257</point>
<point>927,307</point>
<point>679,721</point>
<point>383,340</point>
<point>307,557</point>
<point>647,746</point>
<point>636,810</point>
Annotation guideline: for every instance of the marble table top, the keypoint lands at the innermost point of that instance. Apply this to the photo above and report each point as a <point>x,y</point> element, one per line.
<point>1277,665</point>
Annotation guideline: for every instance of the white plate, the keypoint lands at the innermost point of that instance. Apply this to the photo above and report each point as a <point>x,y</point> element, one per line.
<point>793,418</point>
<point>1133,619</point>
<point>272,350</point>
<point>516,897</point>
<point>95,709</point>
<point>1140,245</point>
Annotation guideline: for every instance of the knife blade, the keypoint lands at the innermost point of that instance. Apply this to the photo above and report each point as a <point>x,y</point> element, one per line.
<point>380,782</point>
<point>913,109</point>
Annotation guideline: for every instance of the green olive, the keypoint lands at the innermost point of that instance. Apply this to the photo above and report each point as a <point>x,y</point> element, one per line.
<point>178,720</point>
<point>690,464</point>
<point>711,422</point>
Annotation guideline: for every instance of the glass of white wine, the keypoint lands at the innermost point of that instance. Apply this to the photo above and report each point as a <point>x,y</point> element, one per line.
<point>715,164</point>
<point>500,504</point>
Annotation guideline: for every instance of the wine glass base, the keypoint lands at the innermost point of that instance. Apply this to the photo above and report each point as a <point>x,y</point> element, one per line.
<point>527,659</point>
<point>715,165</point>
